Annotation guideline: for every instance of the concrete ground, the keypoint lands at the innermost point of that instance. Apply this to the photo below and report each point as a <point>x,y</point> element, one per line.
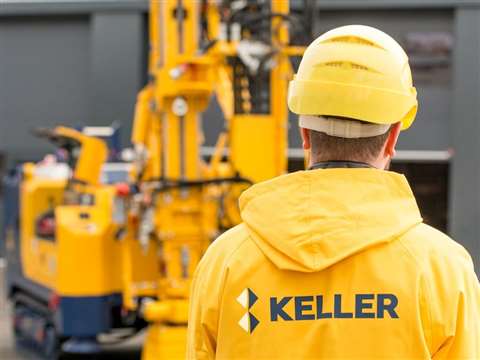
<point>8,351</point>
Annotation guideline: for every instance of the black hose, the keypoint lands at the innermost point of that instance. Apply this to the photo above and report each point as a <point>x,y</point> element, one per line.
<point>169,184</point>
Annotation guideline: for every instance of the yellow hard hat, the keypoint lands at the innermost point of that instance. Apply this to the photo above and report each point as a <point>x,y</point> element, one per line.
<point>356,72</point>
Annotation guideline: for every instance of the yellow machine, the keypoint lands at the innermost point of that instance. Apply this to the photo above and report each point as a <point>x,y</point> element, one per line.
<point>123,255</point>
<point>63,249</point>
<point>240,52</point>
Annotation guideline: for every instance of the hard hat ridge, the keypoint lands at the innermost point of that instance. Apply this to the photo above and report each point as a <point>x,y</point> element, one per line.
<point>355,72</point>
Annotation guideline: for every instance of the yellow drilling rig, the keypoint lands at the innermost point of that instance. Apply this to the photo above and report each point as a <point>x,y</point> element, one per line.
<point>90,255</point>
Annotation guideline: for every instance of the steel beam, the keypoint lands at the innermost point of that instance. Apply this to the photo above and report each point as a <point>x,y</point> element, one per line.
<point>391,4</point>
<point>38,7</point>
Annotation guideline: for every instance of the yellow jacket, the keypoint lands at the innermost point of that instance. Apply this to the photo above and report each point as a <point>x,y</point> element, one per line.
<point>334,264</point>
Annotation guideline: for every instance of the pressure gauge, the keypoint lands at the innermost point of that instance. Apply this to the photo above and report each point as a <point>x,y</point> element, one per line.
<point>179,106</point>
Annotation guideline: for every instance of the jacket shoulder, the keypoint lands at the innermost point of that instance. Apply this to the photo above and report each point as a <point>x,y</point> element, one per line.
<point>220,251</point>
<point>449,288</point>
<point>228,243</point>
<point>428,245</point>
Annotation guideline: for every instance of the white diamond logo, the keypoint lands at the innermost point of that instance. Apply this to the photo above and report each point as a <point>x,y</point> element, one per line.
<point>247,299</point>
<point>244,323</point>
<point>243,299</point>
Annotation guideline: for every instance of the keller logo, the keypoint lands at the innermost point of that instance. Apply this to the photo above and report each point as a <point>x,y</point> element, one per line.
<point>247,299</point>
<point>319,307</point>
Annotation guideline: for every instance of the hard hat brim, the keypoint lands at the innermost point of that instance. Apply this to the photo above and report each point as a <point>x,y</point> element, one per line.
<point>352,101</point>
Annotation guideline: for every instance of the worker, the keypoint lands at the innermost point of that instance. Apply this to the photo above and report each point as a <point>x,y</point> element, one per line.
<point>335,262</point>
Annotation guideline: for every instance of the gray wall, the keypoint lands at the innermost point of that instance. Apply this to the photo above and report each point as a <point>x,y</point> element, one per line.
<point>67,69</point>
<point>44,71</point>
<point>82,62</point>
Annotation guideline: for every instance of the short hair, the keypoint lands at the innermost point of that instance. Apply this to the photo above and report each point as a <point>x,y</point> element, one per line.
<point>331,148</point>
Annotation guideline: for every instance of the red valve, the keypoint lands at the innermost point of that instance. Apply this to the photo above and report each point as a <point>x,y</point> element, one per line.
<point>54,301</point>
<point>122,189</point>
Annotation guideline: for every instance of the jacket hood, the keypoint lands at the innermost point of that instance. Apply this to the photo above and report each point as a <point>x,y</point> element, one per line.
<point>309,220</point>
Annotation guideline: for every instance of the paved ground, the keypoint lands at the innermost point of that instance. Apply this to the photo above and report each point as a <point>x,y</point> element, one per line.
<point>8,350</point>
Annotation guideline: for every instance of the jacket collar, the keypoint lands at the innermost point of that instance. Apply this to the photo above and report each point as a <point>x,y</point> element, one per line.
<point>339,164</point>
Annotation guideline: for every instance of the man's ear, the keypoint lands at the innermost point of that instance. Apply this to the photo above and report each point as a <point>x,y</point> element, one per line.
<point>392,140</point>
<point>305,138</point>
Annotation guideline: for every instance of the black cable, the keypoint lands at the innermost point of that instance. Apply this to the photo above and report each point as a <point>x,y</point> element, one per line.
<point>169,184</point>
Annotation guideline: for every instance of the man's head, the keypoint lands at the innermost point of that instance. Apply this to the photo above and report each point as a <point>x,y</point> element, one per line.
<point>354,93</point>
